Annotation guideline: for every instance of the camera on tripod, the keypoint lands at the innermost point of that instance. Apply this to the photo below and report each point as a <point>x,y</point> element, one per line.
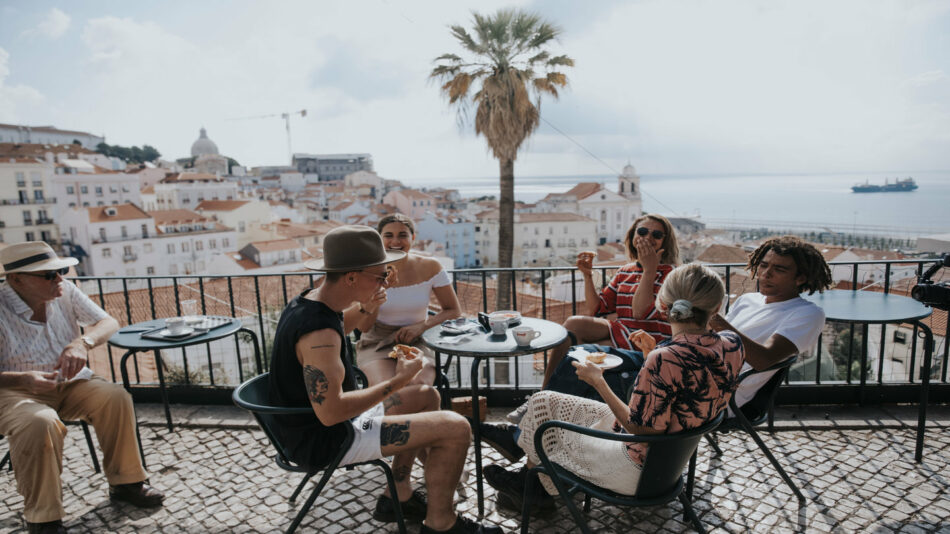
<point>932,294</point>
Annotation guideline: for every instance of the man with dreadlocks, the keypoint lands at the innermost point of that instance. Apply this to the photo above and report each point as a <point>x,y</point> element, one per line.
<point>776,322</point>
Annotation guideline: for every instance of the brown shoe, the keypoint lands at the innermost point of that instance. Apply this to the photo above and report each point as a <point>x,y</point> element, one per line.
<point>137,494</point>
<point>50,527</point>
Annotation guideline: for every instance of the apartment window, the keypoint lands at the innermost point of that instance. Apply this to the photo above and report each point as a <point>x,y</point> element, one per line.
<point>212,243</point>
<point>240,226</point>
<point>199,245</point>
<point>144,230</point>
<point>225,242</point>
<point>98,190</point>
<point>83,189</point>
<point>107,252</point>
<point>29,236</point>
<point>35,177</point>
<point>72,204</point>
<point>85,204</point>
<point>70,190</point>
<point>125,189</point>
<point>102,234</point>
<point>27,218</point>
<point>536,230</point>
<point>127,250</point>
<point>150,270</point>
<point>173,269</point>
<point>185,200</point>
<point>115,202</point>
<point>100,203</point>
<point>113,189</point>
<point>125,231</point>
<point>185,247</point>
<point>20,179</point>
<point>171,248</point>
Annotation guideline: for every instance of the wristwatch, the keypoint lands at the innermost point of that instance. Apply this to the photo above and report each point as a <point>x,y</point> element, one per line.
<point>88,342</point>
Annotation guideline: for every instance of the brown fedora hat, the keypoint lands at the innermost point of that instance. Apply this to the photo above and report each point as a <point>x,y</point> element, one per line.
<point>32,256</point>
<point>353,248</point>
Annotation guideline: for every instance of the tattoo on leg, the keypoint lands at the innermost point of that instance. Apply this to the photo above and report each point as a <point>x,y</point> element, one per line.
<point>316,382</point>
<point>394,433</point>
<point>401,473</point>
<point>391,401</point>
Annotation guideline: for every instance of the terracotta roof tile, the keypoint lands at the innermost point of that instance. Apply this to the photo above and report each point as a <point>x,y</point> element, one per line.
<point>177,216</point>
<point>123,212</point>
<point>221,205</point>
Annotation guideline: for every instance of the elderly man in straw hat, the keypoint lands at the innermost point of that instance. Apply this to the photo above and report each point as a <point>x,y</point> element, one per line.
<point>312,366</point>
<point>44,378</point>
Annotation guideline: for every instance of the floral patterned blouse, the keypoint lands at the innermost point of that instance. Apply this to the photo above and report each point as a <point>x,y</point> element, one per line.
<point>685,382</point>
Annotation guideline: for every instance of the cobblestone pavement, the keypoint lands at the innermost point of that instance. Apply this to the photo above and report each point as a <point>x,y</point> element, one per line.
<point>222,479</point>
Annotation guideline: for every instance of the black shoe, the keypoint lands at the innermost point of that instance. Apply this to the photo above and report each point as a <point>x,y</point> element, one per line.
<point>413,510</point>
<point>510,487</point>
<point>502,439</point>
<point>464,525</point>
<point>137,494</point>
<point>50,527</point>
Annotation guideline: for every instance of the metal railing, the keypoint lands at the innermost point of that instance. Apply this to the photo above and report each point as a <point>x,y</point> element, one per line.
<point>551,293</point>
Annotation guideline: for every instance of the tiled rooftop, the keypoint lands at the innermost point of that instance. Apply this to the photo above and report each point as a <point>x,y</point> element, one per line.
<point>854,465</point>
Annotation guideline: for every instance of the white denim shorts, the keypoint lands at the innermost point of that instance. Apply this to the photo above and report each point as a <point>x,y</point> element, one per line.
<point>366,427</point>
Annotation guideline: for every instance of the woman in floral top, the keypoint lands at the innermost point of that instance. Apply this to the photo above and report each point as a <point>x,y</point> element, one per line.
<point>686,381</point>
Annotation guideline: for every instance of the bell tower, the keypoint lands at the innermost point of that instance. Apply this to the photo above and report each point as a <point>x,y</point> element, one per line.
<point>628,185</point>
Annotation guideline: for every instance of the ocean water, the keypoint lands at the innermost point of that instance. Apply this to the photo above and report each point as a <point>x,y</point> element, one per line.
<point>795,201</point>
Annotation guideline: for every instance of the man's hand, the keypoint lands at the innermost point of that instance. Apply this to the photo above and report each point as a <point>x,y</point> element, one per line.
<point>642,341</point>
<point>409,334</point>
<point>71,361</point>
<point>719,323</point>
<point>37,382</point>
<point>377,300</point>
<point>588,372</point>
<point>407,367</point>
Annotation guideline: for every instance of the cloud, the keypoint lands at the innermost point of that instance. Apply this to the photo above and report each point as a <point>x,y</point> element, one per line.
<point>14,97</point>
<point>53,26</point>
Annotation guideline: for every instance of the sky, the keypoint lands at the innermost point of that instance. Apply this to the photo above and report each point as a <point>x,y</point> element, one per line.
<point>685,87</point>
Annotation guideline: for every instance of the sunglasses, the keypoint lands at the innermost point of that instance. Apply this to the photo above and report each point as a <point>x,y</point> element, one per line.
<point>656,234</point>
<point>50,275</point>
<point>381,278</point>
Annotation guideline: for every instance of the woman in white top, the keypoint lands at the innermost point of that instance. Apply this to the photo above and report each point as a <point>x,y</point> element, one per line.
<point>400,313</point>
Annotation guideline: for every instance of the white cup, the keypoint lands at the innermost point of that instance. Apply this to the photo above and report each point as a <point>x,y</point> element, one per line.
<point>524,335</point>
<point>498,325</point>
<point>175,325</point>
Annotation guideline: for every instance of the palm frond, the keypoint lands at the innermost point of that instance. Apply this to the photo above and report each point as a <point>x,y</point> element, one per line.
<point>560,61</point>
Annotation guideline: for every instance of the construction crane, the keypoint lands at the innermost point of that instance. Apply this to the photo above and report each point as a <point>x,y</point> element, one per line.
<point>286,116</point>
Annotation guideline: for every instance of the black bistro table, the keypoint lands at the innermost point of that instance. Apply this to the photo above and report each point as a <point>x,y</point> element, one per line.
<point>131,339</point>
<point>482,346</point>
<point>867,307</point>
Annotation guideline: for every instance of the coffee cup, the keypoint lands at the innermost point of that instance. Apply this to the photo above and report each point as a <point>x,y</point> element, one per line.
<point>524,335</point>
<point>499,325</point>
<point>175,325</point>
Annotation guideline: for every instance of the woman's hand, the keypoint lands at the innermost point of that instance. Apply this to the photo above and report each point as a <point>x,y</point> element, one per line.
<point>648,256</point>
<point>409,334</point>
<point>585,263</point>
<point>642,341</point>
<point>588,372</point>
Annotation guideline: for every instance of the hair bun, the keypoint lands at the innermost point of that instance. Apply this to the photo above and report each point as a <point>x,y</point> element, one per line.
<point>681,310</point>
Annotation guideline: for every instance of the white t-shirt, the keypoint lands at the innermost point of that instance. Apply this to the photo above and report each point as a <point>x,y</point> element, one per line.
<point>797,320</point>
<point>409,304</point>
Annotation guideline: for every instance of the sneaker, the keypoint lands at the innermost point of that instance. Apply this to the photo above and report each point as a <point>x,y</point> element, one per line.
<point>517,414</point>
<point>510,487</point>
<point>464,525</point>
<point>502,439</point>
<point>413,510</point>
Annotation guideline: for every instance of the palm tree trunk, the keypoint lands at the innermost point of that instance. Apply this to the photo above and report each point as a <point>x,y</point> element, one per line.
<point>506,231</point>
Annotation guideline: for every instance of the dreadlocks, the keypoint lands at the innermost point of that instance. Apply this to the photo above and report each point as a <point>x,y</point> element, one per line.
<point>808,261</point>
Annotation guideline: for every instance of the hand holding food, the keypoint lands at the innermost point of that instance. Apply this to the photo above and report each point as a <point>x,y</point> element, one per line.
<point>588,371</point>
<point>408,360</point>
<point>642,341</point>
<point>585,262</point>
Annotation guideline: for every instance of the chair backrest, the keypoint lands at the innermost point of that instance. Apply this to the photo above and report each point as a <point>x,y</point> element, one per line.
<point>253,397</point>
<point>757,409</point>
<point>667,457</point>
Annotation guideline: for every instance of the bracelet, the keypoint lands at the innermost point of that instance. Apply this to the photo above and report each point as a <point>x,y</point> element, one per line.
<point>363,310</point>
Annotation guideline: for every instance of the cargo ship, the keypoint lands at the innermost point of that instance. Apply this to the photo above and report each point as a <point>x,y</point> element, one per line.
<point>907,184</point>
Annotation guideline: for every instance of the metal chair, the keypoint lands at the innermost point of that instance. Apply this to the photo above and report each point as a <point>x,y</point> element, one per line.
<point>754,413</point>
<point>661,479</point>
<point>92,449</point>
<point>252,396</point>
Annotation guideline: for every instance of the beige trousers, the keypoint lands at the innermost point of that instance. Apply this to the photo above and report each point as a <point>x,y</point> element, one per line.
<point>34,429</point>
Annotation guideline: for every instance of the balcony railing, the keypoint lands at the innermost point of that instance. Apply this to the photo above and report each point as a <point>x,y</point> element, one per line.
<point>25,201</point>
<point>828,373</point>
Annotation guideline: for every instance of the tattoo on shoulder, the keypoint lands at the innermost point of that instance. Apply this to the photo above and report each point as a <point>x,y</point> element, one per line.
<point>394,433</point>
<point>317,384</point>
<point>392,400</point>
<point>327,346</point>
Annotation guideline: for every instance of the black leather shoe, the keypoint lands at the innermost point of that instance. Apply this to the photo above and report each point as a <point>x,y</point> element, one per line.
<point>50,527</point>
<point>464,525</point>
<point>502,439</point>
<point>137,494</point>
<point>510,487</point>
<point>413,510</point>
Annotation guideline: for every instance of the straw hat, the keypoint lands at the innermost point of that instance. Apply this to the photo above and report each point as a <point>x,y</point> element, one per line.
<point>353,248</point>
<point>32,256</point>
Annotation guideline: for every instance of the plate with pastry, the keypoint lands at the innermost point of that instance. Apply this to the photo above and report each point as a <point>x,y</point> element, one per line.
<point>513,317</point>
<point>604,360</point>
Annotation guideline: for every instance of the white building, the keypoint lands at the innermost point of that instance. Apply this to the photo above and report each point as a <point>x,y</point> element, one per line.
<point>186,190</point>
<point>47,135</point>
<point>189,241</point>
<point>347,210</point>
<point>26,205</point>
<point>116,240</point>
<point>79,184</point>
<point>410,202</point>
<point>540,239</point>
<point>455,232</point>
<point>246,217</point>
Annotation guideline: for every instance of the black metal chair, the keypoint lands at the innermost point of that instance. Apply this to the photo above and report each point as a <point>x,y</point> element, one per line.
<point>252,396</point>
<point>755,412</point>
<point>660,481</point>
<point>92,449</point>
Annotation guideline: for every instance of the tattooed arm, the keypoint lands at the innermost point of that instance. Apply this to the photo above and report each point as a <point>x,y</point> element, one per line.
<point>323,373</point>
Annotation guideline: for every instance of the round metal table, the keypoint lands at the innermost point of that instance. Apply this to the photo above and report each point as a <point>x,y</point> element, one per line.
<point>869,307</point>
<point>481,346</point>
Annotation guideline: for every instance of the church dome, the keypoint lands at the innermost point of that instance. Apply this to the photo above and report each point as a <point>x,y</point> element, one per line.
<point>628,170</point>
<point>203,145</point>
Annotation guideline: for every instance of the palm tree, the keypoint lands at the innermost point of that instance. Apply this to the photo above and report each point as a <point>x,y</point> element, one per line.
<point>506,56</point>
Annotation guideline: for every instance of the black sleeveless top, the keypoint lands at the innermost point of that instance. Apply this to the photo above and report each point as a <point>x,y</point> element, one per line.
<point>306,439</point>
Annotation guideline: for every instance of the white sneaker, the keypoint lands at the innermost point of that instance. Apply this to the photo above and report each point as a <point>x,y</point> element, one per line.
<point>517,415</point>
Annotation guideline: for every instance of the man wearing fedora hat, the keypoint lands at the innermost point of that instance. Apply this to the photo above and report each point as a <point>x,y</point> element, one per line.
<point>312,366</point>
<point>44,379</point>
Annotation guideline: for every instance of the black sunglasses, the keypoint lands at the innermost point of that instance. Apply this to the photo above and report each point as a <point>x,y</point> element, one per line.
<point>50,275</point>
<point>656,234</point>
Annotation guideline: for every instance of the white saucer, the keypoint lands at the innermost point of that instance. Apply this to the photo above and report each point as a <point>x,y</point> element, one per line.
<point>610,361</point>
<point>167,333</point>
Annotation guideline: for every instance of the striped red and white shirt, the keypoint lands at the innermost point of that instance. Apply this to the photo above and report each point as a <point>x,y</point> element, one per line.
<point>617,297</point>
